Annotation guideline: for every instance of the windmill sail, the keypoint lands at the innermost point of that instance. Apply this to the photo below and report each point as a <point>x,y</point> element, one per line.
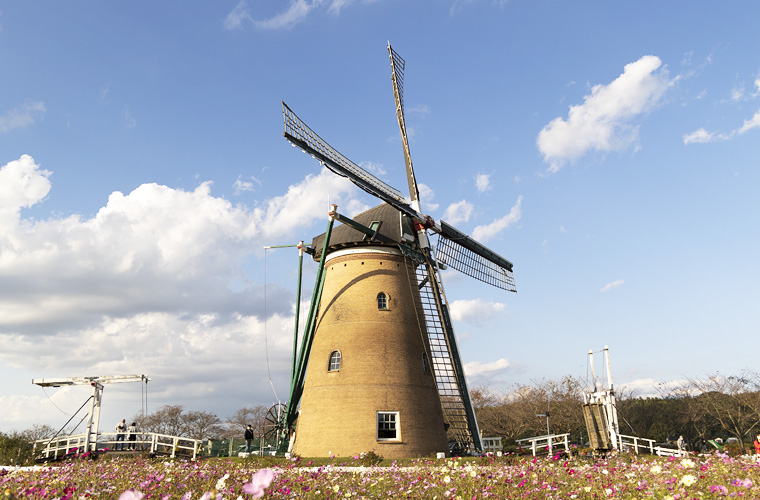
<point>457,250</point>
<point>397,76</point>
<point>447,367</point>
<point>300,135</point>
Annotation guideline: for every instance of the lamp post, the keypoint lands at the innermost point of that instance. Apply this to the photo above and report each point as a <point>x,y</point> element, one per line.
<point>548,432</point>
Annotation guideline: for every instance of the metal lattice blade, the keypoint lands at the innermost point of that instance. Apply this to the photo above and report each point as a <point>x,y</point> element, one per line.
<point>299,134</point>
<point>447,367</point>
<point>456,249</point>
<point>397,76</point>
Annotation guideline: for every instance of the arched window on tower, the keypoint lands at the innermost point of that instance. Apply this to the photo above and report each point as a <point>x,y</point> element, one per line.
<point>334,365</point>
<point>382,301</point>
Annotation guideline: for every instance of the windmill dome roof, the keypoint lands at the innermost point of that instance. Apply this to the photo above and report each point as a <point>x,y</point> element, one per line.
<point>388,233</point>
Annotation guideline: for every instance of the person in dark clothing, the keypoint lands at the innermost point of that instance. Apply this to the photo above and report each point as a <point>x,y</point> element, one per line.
<point>248,438</point>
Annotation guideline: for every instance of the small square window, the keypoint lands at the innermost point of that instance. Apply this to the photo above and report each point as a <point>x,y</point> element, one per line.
<point>387,426</point>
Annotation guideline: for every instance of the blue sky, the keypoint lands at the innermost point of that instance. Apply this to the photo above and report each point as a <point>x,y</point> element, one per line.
<point>609,150</point>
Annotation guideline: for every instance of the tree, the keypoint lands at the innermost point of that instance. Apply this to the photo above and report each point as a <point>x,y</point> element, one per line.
<point>732,401</point>
<point>253,415</point>
<point>166,420</point>
<point>201,424</point>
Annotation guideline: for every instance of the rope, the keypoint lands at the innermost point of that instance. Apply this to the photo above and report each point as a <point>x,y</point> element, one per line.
<point>51,401</point>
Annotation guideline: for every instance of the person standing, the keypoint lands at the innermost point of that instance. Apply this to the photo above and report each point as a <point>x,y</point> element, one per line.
<point>121,428</point>
<point>132,435</point>
<point>248,438</point>
<point>757,444</point>
<point>680,444</point>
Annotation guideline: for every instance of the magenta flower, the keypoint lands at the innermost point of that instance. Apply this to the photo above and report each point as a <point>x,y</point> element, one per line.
<point>131,495</point>
<point>259,482</point>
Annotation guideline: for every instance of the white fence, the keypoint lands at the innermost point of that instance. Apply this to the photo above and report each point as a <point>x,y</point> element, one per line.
<point>637,444</point>
<point>546,443</point>
<point>147,442</point>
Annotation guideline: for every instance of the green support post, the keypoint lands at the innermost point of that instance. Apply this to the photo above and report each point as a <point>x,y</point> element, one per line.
<point>299,372</point>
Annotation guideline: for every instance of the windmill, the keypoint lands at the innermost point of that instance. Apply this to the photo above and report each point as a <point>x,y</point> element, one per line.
<point>384,371</point>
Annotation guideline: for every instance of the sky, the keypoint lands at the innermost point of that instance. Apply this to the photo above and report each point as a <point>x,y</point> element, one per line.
<point>609,149</point>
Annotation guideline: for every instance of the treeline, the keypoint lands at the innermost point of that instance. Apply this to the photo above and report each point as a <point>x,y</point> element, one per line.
<point>175,420</point>
<point>698,409</point>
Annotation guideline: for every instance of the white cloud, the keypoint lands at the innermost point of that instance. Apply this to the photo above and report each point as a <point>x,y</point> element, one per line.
<point>427,195</point>
<point>155,282</point>
<point>129,119</point>
<point>698,136</point>
<point>458,212</point>
<point>483,182</point>
<point>22,116</point>
<point>237,16</point>
<point>22,185</point>
<point>486,232</point>
<point>609,286</point>
<point>296,12</point>
<point>476,369</point>
<point>420,109</point>
<point>475,311</point>
<point>737,93</point>
<point>750,124</point>
<point>242,186</point>
<point>375,169</point>
<point>703,136</point>
<point>605,120</point>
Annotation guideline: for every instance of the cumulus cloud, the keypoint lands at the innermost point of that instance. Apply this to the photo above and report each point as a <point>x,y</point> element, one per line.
<point>609,286</point>
<point>483,182</point>
<point>458,212</point>
<point>476,369</point>
<point>427,195</point>
<point>606,119</point>
<point>475,311</point>
<point>21,116</point>
<point>155,282</point>
<point>486,232</point>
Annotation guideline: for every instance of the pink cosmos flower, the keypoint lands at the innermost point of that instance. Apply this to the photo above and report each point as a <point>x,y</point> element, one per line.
<point>259,482</point>
<point>131,495</point>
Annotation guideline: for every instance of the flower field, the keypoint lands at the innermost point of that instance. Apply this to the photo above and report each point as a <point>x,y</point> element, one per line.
<point>622,476</point>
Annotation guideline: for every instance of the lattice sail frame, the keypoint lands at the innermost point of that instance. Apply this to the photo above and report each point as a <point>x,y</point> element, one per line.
<point>466,261</point>
<point>398,74</point>
<point>299,134</point>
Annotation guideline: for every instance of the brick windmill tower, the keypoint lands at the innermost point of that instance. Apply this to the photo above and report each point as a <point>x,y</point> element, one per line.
<point>384,372</point>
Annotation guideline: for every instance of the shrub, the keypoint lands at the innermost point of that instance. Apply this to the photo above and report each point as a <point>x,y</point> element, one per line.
<point>369,459</point>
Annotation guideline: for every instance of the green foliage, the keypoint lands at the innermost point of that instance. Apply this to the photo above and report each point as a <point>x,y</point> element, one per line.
<point>15,449</point>
<point>733,449</point>
<point>369,459</point>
